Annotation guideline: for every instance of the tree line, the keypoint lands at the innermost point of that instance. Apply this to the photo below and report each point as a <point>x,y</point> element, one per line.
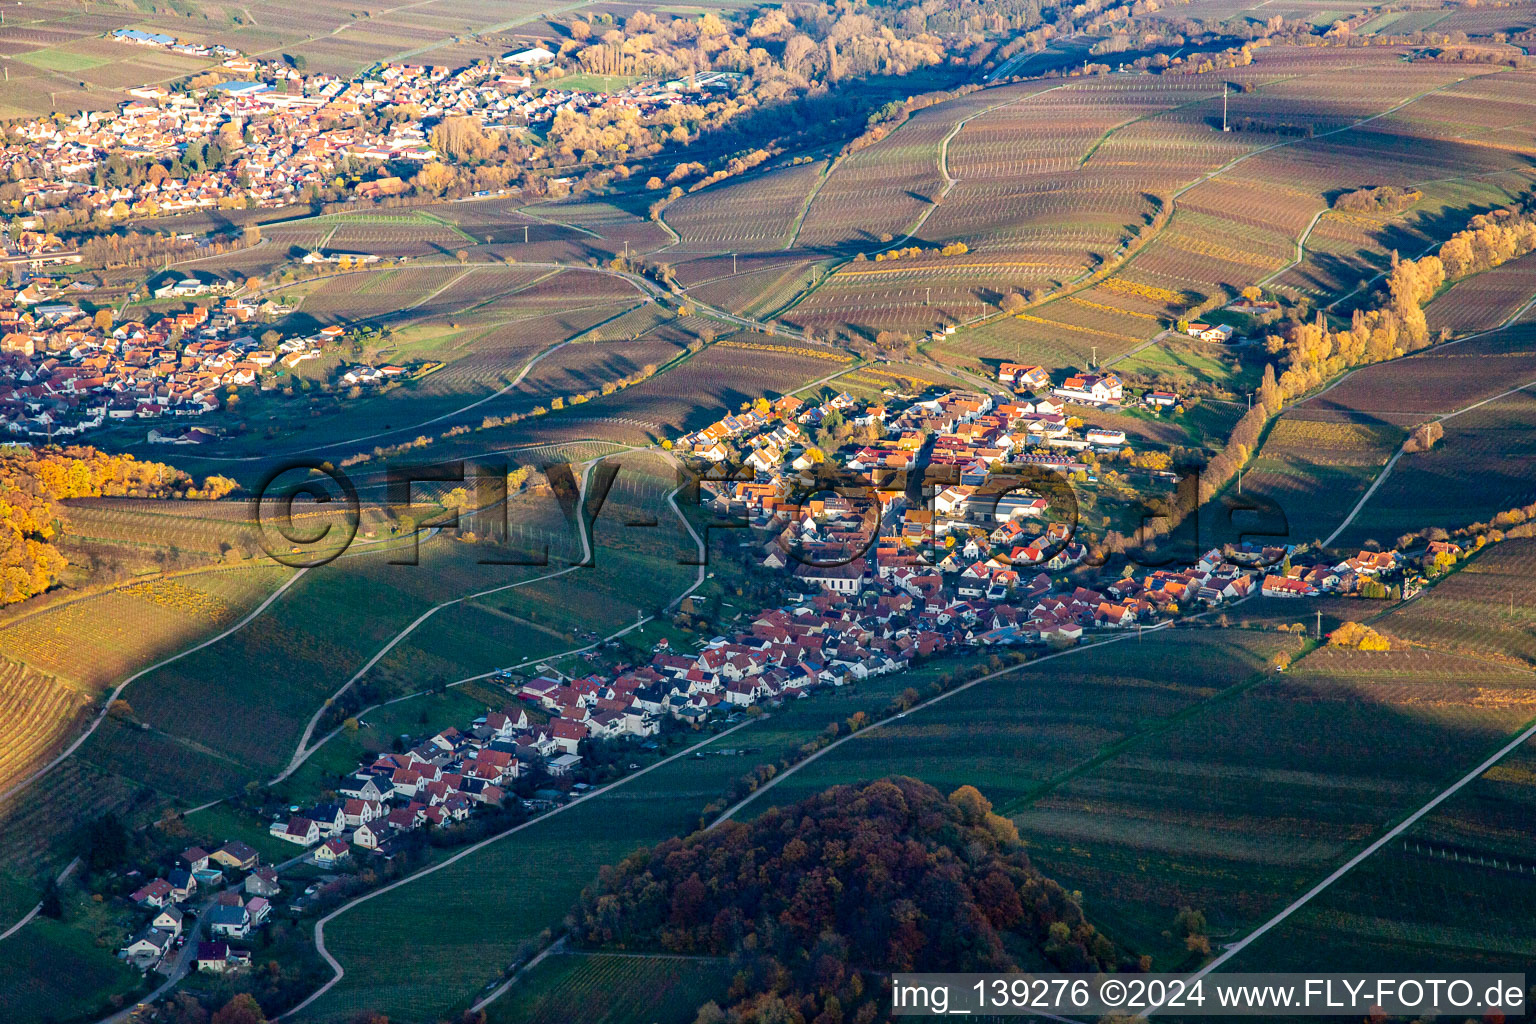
<point>33,481</point>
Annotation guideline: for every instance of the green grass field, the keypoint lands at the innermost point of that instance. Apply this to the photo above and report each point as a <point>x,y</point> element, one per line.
<point>595,83</point>
<point>61,60</point>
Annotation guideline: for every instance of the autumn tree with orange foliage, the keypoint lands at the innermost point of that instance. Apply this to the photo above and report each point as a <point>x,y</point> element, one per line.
<point>34,480</point>
<point>820,901</point>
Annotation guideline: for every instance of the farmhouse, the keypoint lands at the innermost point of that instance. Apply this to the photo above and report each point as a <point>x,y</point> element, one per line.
<point>1021,377</point>
<point>1369,563</point>
<point>1283,586</point>
<point>1210,332</point>
<point>1091,389</point>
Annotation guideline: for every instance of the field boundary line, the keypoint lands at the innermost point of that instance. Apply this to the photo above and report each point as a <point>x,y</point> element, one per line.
<point>729,812</point>
<point>527,210</point>
<point>1403,448</point>
<point>1349,865</point>
<point>303,754</point>
<point>699,579</point>
<point>810,199</point>
<point>38,909</point>
<point>1143,242</point>
<point>117,691</point>
<point>303,750</point>
<point>942,163</point>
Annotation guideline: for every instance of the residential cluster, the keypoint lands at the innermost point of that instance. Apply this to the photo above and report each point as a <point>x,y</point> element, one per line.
<point>442,780</point>
<point>968,559</point>
<point>281,131</point>
<point>1356,574</point>
<point>63,373</point>
<point>879,582</point>
<point>226,912</point>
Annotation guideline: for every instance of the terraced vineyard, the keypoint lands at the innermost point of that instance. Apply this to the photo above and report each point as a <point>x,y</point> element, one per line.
<point>93,642</point>
<point>37,713</point>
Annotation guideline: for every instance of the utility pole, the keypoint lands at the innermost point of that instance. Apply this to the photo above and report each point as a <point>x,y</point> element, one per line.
<point>733,264</point>
<point>1319,634</point>
<point>525,234</point>
<point>1239,481</point>
<point>1095,355</point>
<point>927,296</point>
<point>1224,85</point>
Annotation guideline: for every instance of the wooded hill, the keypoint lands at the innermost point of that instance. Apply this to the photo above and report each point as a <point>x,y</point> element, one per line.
<point>819,901</point>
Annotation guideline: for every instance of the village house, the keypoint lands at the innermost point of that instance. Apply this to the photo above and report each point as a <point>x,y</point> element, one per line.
<point>1091,389</point>
<point>218,957</point>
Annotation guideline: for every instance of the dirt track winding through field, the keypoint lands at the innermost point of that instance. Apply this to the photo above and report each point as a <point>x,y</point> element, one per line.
<point>1349,865</point>
<point>335,965</point>
<point>1402,450</point>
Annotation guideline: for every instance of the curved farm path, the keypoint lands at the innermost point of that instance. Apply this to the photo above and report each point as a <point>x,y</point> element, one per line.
<point>1355,861</point>
<point>38,909</point>
<point>1091,278</point>
<point>505,986</point>
<point>244,621</point>
<point>651,292</point>
<point>1402,450</point>
<point>117,691</point>
<point>304,750</point>
<point>335,964</point>
<point>1142,242</point>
